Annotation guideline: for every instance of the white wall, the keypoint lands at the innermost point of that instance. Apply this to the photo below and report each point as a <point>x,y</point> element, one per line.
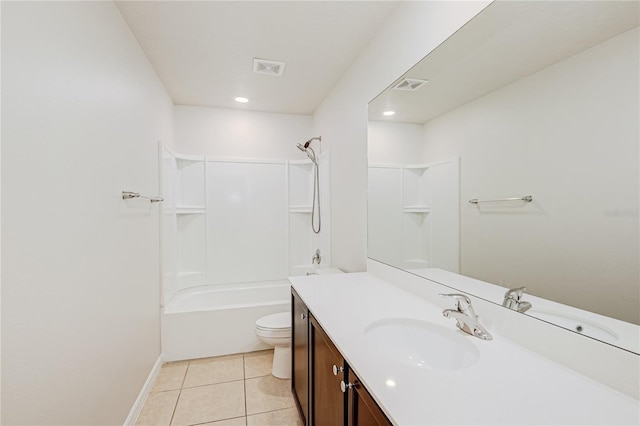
<point>82,115</point>
<point>411,32</point>
<point>0,224</point>
<point>222,132</point>
<point>567,135</point>
<point>395,143</point>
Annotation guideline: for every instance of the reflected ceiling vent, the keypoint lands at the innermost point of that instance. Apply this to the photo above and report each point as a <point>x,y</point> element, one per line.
<point>262,66</point>
<point>410,84</point>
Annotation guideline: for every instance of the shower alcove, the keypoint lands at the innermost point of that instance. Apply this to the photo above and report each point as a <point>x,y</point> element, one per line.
<point>233,230</point>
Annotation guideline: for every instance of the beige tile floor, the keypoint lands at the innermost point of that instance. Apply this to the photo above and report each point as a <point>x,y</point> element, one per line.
<point>224,391</point>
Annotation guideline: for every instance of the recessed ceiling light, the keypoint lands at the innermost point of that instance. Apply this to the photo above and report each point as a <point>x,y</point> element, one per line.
<point>242,100</point>
<point>388,113</point>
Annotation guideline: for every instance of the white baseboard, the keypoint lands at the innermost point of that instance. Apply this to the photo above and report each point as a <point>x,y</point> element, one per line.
<point>137,406</point>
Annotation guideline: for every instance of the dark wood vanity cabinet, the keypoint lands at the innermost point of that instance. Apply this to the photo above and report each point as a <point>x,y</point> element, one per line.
<point>300,356</point>
<point>328,400</point>
<point>321,378</point>
<point>362,409</point>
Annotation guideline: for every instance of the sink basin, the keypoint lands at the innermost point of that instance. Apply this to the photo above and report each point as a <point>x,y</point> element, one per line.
<point>575,323</point>
<point>421,344</point>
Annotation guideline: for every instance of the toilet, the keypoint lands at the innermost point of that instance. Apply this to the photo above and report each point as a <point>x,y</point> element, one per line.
<point>275,330</point>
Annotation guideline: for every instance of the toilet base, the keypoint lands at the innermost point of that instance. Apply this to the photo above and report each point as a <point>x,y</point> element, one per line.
<point>281,367</point>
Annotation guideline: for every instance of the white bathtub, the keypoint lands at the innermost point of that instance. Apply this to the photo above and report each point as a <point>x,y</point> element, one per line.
<point>218,320</point>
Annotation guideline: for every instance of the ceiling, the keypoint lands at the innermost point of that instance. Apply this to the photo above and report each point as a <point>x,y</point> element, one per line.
<point>203,51</point>
<point>506,42</point>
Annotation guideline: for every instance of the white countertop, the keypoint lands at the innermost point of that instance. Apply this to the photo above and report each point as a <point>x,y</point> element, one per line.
<point>508,385</point>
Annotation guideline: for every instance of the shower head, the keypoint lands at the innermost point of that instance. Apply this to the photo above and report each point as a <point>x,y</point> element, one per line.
<point>308,150</point>
<point>316,179</point>
<point>307,143</point>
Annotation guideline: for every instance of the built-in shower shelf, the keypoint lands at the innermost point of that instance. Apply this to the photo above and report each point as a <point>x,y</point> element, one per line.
<point>416,209</point>
<point>190,209</point>
<point>300,209</point>
<point>186,160</point>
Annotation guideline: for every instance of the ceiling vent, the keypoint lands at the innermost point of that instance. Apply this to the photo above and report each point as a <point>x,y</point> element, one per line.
<point>262,66</point>
<point>410,84</point>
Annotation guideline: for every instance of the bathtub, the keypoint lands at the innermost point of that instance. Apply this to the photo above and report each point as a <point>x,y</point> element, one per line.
<point>218,320</point>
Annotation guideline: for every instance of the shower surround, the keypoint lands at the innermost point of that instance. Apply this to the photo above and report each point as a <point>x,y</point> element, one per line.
<point>233,231</point>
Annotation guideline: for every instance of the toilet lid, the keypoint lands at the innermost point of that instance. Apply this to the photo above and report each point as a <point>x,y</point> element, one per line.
<point>275,321</point>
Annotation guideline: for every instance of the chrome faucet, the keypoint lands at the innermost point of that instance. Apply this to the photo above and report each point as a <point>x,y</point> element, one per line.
<point>512,300</point>
<point>466,317</point>
<point>316,257</point>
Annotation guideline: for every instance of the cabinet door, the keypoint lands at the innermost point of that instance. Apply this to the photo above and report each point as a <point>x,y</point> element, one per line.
<point>363,410</point>
<point>300,356</point>
<point>329,402</point>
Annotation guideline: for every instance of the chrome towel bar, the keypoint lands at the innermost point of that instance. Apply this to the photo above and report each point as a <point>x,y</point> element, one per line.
<point>128,194</point>
<point>526,198</point>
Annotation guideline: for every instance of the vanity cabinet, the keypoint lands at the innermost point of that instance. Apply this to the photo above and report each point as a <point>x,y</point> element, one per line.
<point>362,409</point>
<point>326,391</point>
<point>327,372</point>
<point>300,357</point>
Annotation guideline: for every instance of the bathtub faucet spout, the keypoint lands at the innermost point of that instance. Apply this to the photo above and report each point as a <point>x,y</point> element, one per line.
<point>316,257</point>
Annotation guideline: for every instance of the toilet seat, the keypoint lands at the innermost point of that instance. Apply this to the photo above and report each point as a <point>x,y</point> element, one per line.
<point>275,325</point>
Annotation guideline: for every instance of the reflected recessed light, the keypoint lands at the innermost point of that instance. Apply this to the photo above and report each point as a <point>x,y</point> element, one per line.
<point>242,100</point>
<point>388,113</point>
<point>390,383</point>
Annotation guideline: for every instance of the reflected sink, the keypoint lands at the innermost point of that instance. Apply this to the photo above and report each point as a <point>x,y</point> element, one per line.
<point>575,323</point>
<point>421,344</point>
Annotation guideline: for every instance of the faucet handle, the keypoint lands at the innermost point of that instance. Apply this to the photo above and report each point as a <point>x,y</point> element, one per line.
<point>463,303</point>
<point>512,300</point>
<point>457,297</point>
<point>466,318</point>
<point>515,293</point>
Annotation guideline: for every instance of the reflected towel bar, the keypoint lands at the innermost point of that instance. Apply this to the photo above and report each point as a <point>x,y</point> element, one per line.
<point>526,198</point>
<point>128,194</point>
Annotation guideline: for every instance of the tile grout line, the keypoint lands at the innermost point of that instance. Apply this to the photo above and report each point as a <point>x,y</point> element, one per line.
<point>244,388</point>
<point>211,384</point>
<point>175,407</point>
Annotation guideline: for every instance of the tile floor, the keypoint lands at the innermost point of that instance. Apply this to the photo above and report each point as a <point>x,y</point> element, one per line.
<point>222,391</point>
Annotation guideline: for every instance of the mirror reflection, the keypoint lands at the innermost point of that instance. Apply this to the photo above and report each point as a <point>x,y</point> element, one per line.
<point>509,155</point>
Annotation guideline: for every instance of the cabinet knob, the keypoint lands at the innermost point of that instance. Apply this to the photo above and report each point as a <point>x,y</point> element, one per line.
<point>303,316</point>
<point>337,370</point>
<point>346,386</point>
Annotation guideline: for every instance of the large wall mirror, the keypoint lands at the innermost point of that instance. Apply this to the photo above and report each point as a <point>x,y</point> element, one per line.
<point>512,158</point>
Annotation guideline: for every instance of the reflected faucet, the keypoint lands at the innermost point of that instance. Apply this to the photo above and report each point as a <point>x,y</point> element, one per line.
<point>512,300</point>
<point>316,257</point>
<point>466,317</point>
